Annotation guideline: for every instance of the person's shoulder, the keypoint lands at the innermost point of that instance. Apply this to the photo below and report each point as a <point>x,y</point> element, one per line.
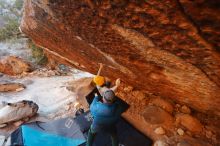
<point>116,104</point>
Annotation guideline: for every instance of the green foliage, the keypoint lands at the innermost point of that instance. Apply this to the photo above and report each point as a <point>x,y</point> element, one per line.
<point>9,30</point>
<point>10,13</point>
<point>38,54</point>
<point>18,4</point>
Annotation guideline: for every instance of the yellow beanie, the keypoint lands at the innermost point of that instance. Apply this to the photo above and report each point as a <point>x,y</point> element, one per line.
<point>99,80</point>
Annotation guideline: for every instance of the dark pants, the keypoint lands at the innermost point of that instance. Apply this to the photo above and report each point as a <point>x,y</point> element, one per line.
<point>109,130</point>
<point>91,95</point>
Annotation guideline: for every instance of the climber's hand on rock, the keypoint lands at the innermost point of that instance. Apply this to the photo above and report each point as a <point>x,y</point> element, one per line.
<point>100,65</point>
<point>118,82</point>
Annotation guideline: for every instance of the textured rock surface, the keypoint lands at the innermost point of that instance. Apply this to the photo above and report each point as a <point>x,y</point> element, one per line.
<point>169,49</point>
<point>6,87</point>
<point>146,113</point>
<point>189,122</point>
<point>205,15</point>
<point>155,41</point>
<point>184,109</point>
<point>82,88</point>
<point>155,115</point>
<point>159,130</point>
<point>180,131</point>
<point>13,66</point>
<point>162,104</point>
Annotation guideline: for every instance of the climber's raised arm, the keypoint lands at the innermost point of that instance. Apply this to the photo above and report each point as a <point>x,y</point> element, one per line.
<point>117,84</point>
<point>99,80</point>
<point>100,69</point>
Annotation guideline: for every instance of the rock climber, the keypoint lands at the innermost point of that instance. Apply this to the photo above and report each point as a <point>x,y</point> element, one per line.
<point>101,84</point>
<point>105,111</point>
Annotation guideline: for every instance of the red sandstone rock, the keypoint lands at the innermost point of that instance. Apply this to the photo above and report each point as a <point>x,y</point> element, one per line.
<point>162,104</point>
<point>151,45</point>
<point>189,122</point>
<point>160,143</point>
<point>180,131</point>
<point>14,66</point>
<point>187,141</point>
<point>186,110</point>
<point>160,131</point>
<point>82,87</point>
<point>156,116</point>
<point>128,89</point>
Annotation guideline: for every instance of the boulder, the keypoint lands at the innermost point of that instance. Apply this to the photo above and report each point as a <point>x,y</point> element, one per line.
<point>152,46</point>
<point>7,87</point>
<point>14,66</point>
<point>180,131</point>
<point>184,109</point>
<point>186,141</point>
<point>189,122</point>
<point>192,142</point>
<point>157,116</point>
<point>81,87</point>
<point>162,103</point>
<point>160,131</point>
<point>16,111</point>
<point>160,143</point>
